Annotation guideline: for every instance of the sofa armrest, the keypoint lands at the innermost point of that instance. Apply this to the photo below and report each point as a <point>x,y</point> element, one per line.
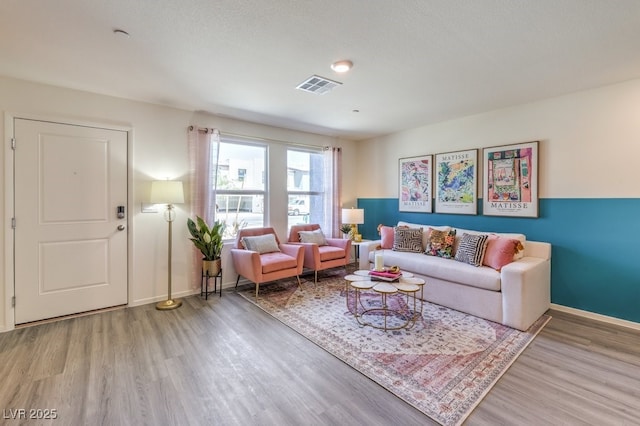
<point>343,243</point>
<point>311,254</point>
<point>294,250</point>
<point>365,248</point>
<point>526,291</point>
<point>247,264</point>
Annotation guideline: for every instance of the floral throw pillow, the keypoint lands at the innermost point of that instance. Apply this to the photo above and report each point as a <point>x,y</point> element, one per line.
<point>440,243</point>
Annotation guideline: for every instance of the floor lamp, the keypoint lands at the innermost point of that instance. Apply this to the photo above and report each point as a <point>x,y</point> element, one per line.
<point>168,192</point>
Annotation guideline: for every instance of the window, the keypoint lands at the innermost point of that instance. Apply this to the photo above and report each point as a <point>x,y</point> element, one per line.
<point>240,194</point>
<point>305,189</point>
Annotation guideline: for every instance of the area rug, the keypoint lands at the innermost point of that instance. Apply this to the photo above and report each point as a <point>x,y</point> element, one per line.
<point>444,365</point>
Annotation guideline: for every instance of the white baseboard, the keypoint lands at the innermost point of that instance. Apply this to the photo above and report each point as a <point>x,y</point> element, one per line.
<point>597,317</point>
<point>157,299</point>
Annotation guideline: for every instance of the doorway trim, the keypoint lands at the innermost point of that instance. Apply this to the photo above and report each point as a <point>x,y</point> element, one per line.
<point>9,203</point>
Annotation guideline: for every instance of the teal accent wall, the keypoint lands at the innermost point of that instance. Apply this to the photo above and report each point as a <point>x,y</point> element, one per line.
<point>595,260</point>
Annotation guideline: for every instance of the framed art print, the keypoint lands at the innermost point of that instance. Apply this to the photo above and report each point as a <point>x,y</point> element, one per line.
<point>415,177</point>
<point>510,180</point>
<point>456,186</point>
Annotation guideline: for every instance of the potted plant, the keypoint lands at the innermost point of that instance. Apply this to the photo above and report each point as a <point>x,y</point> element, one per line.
<point>209,241</point>
<point>346,231</point>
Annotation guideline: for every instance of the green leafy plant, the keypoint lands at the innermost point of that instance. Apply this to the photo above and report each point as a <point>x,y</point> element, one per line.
<point>345,228</point>
<point>207,239</point>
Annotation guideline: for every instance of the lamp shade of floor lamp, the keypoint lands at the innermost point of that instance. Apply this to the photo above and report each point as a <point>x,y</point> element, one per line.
<point>353,217</point>
<point>168,192</point>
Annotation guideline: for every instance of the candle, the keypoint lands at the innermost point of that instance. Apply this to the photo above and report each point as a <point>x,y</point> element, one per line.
<point>379,261</point>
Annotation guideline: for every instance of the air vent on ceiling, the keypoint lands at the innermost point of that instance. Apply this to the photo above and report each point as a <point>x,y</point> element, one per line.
<point>318,85</point>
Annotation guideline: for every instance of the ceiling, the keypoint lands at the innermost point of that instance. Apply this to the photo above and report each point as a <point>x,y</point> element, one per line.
<point>415,61</point>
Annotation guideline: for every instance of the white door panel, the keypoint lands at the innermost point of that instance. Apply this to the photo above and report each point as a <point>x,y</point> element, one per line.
<point>70,256</point>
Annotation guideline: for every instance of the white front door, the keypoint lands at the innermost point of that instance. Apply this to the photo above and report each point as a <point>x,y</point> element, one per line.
<point>70,245</point>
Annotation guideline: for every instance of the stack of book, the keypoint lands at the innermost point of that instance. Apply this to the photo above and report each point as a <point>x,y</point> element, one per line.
<point>385,275</point>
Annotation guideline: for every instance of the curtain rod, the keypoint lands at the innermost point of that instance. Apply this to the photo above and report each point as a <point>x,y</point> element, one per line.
<point>203,129</point>
<point>254,138</point>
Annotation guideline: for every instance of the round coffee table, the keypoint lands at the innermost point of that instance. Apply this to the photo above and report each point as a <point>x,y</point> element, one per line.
<point>413,281</point>
<point>349,281</point>
<point>407,285</point>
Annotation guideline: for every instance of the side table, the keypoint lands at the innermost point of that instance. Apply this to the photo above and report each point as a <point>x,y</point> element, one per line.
<point>204,284</point>
<point>356,245</point>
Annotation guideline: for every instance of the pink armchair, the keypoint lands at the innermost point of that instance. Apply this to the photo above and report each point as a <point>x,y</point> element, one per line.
<point>320,257</point>
<point>267,261</point>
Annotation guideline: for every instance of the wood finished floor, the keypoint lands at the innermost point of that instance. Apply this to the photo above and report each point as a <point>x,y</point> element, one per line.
<point>226,362</point>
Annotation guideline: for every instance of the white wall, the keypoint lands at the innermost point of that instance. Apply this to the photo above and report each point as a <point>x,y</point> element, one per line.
<point>158,150</point>
<point>589,143</point>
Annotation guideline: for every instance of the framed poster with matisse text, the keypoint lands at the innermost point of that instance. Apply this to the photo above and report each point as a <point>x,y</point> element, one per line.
<point>415,181</point>
<point>456,187</point>
<point>510,180</point>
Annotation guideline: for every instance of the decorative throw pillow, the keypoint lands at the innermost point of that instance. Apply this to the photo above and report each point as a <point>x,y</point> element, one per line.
<point>440,243</point>
<point>261,243</point>
<point>500,251</point>
<point>407,239</point>
<point>471,249</point>
<point>386,234</point>
<point>314,237</point>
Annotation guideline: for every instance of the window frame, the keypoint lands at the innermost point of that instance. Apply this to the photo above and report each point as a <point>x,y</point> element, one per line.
<point>309,194</point>
<point>230,140</point>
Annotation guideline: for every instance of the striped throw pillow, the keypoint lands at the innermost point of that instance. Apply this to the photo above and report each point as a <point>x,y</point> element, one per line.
<point>472,248</point>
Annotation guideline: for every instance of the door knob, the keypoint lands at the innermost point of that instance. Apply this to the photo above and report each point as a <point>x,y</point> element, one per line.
<point>120,227</point>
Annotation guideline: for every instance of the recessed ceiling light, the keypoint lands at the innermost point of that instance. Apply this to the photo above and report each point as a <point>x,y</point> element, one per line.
<point>342,66</point>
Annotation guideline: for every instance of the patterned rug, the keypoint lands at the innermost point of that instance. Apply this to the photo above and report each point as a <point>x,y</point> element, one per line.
<point>444,365</point>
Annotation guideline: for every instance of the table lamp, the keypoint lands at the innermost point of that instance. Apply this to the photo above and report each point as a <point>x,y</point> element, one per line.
<point>353,217</point>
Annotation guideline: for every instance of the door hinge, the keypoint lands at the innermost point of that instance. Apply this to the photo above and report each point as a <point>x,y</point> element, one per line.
<point>13,143</point>
<point>13,223</point>
<point>13,302</point>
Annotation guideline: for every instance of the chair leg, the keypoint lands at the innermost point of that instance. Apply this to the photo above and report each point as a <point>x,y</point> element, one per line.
<point>257,288</point>
<point>237,280</point>
<point>315,280</point>
<point>299,283</point>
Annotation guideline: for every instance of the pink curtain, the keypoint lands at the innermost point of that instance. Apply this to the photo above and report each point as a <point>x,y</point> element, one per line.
<point>332,179</point>
<point>204,145</point>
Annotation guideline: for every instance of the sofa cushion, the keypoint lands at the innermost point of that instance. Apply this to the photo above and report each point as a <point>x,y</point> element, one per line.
<point>472,249</point>
<point>444,269</point>
<point>407,239</point>
<point>313,237</point>
<point>277,261</point>
<point>440,243</point>
<point>261,243</point>
<point>330,253</point>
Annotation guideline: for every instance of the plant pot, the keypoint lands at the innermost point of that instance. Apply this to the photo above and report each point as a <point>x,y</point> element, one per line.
<point>212,267</point>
